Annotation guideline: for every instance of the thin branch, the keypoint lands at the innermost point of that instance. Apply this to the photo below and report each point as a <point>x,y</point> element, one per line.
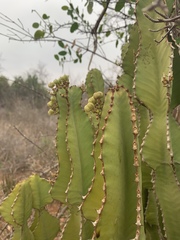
<point>29,140</point>
<point>63,210</point>
<point>7,19</point>
<point>13,30</point>
<point>44,172</point>
<point>159,29</point>
<point>166,20</point>
<point>160,14</point>
<point>94,31</point>
<point>165,35</point>
<point>4,228</point>
<point>155,4</point>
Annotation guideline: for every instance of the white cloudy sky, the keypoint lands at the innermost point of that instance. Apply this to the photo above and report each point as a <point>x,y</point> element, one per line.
<point>17,58</point>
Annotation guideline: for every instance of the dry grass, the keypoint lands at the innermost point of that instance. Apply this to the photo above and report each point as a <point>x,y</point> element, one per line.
<point>26,143</point>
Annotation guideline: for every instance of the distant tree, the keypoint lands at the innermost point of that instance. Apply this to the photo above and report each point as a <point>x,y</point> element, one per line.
<point>18,88</point>
<point>30,90</point>
<point>5,92</point>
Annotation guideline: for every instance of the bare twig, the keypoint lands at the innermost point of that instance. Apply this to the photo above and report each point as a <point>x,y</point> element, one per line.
<point>61,214</point>
<point>155,4</point>
<point>29,140</point>
<point>94,31</point>
<point>49,169</point>
<point>4,228</point>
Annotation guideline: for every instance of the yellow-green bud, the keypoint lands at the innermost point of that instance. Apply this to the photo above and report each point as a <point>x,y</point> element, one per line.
<point>56,81</point>
<point>86,108</point>
<point>50,104</point>
<point>53,99</point>
<point>51,112</point>
<point>65,78</point>
<point>89,107</point>
<point>51,85</point>
<point>98,95</point>
<point>91,100</point>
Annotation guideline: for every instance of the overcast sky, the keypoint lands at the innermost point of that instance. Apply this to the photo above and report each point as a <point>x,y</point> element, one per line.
<point>17,58</point>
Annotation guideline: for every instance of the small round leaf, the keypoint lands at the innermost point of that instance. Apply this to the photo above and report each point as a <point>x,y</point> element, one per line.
<point>62,53</point>
<point>45,16</point>
<point>74,27</point>
<point>61,44</point>
<point>56,57</point>
<point>65,8</point>
<point>39,34</point>
<point>35,25</point>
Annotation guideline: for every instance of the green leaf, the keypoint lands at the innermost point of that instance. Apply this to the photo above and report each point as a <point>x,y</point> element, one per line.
<point>71,5</point>
<point>50,28</point>
<point>74,27</point>
<point>100,28</point>
<point>131,11</point>
<point>76,60</point>
<point>35,25</point>
<point>70,12</point>
<point>119,5</point>
<point>65,8</point>
<point>69,50</point>
<point>45,16</point>
<point>79,56</point>
<point>61,44</point>
<point>62,53</point>
<point>56,57</point>
<point>117,42</point>
<point>77,10</point>
<point>39,34</point>
<point>108,33</point>
<point>90,7</point>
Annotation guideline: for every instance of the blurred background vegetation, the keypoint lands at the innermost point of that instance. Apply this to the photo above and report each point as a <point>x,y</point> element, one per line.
<point>27,133</point>
<point>27,90</point>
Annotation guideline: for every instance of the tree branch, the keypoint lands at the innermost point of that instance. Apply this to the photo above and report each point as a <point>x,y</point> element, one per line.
<point>94,31</point>
<point>29,140</point>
